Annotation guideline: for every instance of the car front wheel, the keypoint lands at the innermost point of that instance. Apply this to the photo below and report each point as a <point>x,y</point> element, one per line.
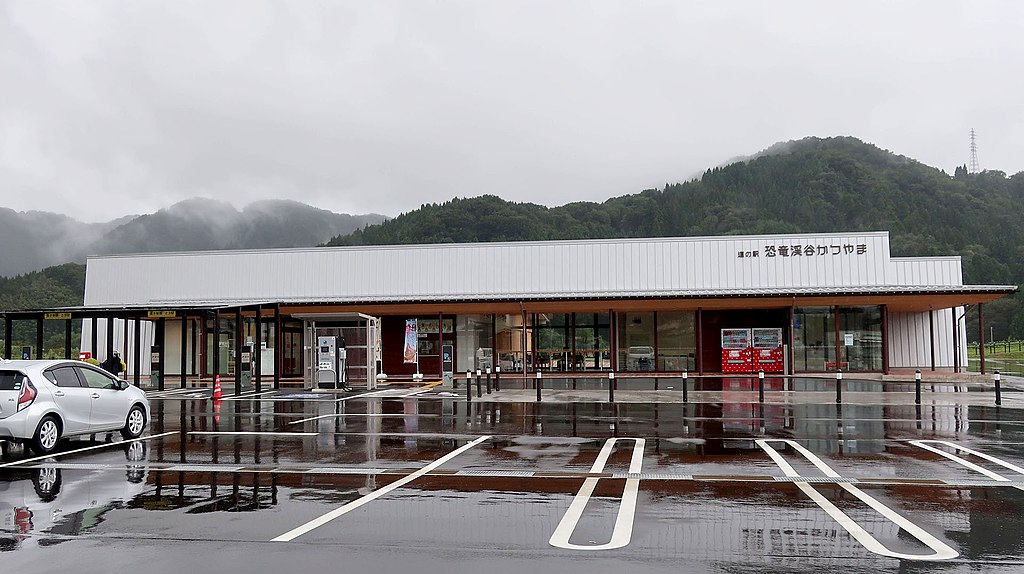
<point>135,423</point>
<point>47,435</point>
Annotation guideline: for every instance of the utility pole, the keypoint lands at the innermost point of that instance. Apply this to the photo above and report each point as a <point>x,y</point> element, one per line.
<point>972,167</point>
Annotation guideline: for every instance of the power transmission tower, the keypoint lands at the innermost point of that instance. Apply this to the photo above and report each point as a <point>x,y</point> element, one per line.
<point>972,167</point>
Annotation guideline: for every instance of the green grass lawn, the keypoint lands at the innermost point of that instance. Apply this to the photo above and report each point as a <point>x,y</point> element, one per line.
<point>1006,357</point>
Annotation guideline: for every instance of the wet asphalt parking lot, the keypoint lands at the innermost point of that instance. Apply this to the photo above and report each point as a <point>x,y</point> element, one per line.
<point>418,480</point>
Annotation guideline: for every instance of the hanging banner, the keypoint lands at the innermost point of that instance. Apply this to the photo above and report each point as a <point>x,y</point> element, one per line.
<point>410,341</point>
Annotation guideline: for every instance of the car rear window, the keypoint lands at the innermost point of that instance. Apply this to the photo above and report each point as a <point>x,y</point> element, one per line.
<point>10,380</point>
<point>64,377</point>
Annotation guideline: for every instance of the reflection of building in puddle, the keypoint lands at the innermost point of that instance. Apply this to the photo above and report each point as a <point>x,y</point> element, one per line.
<point>943,420</point>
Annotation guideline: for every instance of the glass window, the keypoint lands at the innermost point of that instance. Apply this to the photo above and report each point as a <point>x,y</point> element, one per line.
<point>591,342</point>
<point>64,377</point>
<point>11,380</point>
<point>552,343</point>
<point>223,335</point>
<point>475,347</point>
<point>636,342</point>
<point>814,339</point>
<point>508,341</point>
<point>677,341</point>
<point>860,331</point>
<point>97,380</point>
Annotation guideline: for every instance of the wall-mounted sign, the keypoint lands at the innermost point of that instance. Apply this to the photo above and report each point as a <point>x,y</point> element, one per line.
<point>56,316</point>
<point>161,314</point>
<point>848,339</point>
<point>831,250</point>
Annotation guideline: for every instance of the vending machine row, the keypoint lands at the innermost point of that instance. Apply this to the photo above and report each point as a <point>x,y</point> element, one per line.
<point>752,350</point>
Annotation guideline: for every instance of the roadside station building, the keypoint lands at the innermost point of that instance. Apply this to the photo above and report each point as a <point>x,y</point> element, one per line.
<point>799,303</point>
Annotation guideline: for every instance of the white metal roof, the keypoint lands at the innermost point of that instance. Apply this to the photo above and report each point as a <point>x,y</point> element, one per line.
<point>655,267</point>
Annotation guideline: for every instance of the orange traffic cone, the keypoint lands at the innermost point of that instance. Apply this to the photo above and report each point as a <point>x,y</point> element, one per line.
<point>217,394</point>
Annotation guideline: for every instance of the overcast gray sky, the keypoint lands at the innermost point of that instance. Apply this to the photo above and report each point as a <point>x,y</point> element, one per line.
<point>109,107</point>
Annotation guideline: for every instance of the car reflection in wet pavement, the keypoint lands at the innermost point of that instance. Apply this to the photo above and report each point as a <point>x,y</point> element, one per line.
<point>51,502</point>
<point>422,479</point>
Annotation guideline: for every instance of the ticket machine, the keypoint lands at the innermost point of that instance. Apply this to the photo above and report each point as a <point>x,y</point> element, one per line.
<point>331,363</point>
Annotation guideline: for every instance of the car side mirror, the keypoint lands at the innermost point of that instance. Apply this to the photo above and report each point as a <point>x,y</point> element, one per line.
<point>122,384</point>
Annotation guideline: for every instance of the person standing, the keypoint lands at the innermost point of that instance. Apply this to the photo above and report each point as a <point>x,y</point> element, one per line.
<point>113,364</point>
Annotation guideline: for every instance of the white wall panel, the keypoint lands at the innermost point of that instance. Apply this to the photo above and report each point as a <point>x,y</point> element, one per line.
<point>910,340</point>
<point>928,270</point>
<point>557,268</point>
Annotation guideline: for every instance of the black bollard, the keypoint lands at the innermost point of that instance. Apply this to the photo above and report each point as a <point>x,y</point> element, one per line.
<point>479,389</point>
<point>469,386</point>
<point>539,384</point>
<point>917,386</point>
<point>497,378</point>
<point>686,383</point>
<point>488,380</point>
<point>999,398</point>
<point>760,386</point>
<point>611,387</point>
<point>839,386</point>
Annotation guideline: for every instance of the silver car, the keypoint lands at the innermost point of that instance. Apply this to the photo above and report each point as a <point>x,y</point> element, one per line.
<point>42,402</point>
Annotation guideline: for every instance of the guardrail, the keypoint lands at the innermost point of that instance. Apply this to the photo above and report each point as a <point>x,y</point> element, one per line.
<point>685,383</point>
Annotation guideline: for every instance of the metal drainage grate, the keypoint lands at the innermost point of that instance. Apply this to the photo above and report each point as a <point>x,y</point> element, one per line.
<point>498,473</point>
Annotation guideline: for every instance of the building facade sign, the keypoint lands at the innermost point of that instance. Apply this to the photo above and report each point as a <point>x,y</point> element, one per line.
<point>806,250</point>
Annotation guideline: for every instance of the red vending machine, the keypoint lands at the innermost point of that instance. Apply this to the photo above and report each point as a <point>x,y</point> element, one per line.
<point>767,350</point>
<point>736,351</point>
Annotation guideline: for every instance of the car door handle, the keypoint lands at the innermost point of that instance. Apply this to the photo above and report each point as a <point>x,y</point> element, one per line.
<point>58,394</point>
<point>95,395</point>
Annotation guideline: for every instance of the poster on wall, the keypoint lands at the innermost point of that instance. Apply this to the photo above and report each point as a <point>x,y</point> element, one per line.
<point>431,326</point>
<point>410,341</point>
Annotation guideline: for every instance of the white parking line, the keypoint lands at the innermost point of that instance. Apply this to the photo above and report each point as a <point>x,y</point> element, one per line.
<point>247,396</point>
<point>925,445</point>
<point>940,551</point>
<point>416,392</point>
<point>622,532</point>
<point>177,391</point>
<point>318,522</point>
<point>251,433</point>
<point>370,394</point>
<point>88,448</point>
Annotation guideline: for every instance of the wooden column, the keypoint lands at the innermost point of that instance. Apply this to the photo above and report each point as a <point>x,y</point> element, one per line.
<point>8,331</point>
<point>956,344</point>
<point>279,346</point>
<point>93,342</point>
<point>885,339</point>
<point>215,372</point>
<point>67,339</point>
<point>981,337</point>
<point>137,375</point>
<point>39,337</point>
<point>184,344</point>
<point>239,334</point>
<point>257,350</point>
<point>700,341</point>
<point>931,335</point>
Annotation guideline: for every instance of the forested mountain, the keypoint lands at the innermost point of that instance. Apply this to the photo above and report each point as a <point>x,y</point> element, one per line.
<point>58,286</point>
<point>204,224</point>
<point>34,240</point>
<point>810,185</point>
